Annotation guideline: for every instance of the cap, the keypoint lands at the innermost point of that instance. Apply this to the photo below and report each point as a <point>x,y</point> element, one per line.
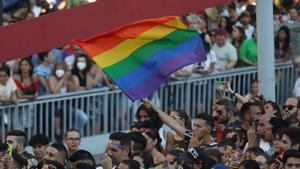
<point>220,32</point>
<point>196,155</point>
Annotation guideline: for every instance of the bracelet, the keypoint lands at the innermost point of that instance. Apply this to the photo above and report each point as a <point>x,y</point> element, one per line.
<point>233,94</point>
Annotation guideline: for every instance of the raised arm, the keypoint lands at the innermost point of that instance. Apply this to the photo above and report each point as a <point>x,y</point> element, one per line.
<point>168,120</point>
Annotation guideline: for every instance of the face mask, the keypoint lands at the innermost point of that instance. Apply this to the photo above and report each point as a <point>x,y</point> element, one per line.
<point>59,73</point>
<point>81,65</point>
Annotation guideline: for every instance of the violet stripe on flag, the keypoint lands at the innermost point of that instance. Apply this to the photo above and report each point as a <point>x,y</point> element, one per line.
<point>159,76</point>
<point>154,62</point>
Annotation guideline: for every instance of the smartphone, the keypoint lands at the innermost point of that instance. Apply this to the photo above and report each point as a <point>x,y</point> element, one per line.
<point>219,85</point>
<point>9,150</point>
<point>255,124</point>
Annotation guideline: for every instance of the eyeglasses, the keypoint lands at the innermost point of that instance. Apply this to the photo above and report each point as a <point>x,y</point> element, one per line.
<point>289,107</point>
<point>76,139</point>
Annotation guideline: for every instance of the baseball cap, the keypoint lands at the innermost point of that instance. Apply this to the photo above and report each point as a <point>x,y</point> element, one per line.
<point>196,155</point>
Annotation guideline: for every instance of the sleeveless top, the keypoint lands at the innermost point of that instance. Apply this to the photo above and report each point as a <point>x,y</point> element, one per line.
<point>27,90</point>
<point>82,80</point>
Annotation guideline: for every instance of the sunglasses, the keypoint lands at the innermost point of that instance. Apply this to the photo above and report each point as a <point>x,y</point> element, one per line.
<point>289,107</point>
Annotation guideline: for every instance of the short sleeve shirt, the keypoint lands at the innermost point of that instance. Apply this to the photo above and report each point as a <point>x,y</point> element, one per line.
<point>225,54</point>
<point>248,50</point>
<point>10,87</point>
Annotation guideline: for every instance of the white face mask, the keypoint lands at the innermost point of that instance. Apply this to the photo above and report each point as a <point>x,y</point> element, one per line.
<point>81,65</point>
<point>59,73</point>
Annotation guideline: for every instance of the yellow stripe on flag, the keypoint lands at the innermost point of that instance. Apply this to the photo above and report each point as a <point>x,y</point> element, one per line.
<point>125,48</point>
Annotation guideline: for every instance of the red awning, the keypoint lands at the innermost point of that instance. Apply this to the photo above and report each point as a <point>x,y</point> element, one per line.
<point>57,29</point>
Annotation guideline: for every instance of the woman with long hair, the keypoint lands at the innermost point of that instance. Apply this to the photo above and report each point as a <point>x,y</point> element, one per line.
<point>81,68</point>
<point>238,36</point>
<point>283,48</point>
<point>225,23</point>
<point>26,81</point>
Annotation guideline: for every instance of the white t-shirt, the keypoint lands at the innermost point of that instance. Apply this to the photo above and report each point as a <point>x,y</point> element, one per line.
<point>296,90</point>
<point>249,31</point>
<point>210,58</point>
<point>6,90</point>
<point>225,54</point>
<point>189,68</point>
<point>262,144</point>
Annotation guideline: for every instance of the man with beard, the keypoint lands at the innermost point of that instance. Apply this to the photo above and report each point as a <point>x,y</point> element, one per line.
<point>57,152</point>
<point>291,111</point>
<point>224,114</point>
<point>18,140</point>
<point>264,136</point>
<point>118,148</point>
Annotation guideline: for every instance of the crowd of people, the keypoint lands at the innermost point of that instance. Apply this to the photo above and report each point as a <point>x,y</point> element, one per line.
<point>45,155</point>
<point>229,36</point>
<point>248,133</point>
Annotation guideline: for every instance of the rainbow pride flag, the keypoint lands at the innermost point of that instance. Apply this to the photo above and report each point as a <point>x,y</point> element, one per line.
<point>139,57</point>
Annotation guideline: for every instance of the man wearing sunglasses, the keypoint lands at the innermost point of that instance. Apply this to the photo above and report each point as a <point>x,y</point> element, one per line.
<point>291,111</point>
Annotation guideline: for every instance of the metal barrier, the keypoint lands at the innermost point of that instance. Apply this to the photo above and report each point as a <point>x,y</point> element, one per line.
<point>101,111</point>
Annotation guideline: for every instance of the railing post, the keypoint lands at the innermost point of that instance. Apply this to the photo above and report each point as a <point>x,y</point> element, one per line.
<point>265,44</point>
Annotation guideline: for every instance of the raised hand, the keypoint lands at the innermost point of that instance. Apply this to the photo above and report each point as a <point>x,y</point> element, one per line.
<point>107,162</point>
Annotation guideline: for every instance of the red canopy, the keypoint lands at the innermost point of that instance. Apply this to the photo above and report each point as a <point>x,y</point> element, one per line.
<point>57,29</point>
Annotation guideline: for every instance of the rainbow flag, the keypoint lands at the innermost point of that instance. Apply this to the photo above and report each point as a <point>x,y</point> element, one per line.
<point>139,57</point>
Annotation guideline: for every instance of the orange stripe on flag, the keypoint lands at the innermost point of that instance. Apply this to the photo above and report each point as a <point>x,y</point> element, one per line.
<point>107,41</point>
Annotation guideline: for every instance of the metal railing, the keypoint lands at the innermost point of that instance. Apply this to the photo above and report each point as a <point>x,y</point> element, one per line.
<point>102,110</point>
